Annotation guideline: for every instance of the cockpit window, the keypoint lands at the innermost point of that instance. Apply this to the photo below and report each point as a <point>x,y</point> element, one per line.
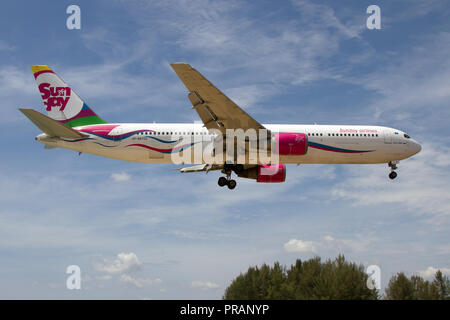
<point>406,136</point>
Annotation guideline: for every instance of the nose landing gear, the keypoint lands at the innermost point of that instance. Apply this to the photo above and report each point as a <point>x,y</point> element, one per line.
<point>393,175</point>
<point>393,165</point>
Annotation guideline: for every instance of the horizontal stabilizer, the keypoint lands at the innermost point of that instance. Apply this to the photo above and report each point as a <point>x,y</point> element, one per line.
<point>51,127</point>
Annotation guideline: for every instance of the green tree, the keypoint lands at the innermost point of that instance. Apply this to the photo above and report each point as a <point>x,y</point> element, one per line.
<point>423,290</point>
<point>401,287</point>
<point>311,279</point>
<point>442,285</point>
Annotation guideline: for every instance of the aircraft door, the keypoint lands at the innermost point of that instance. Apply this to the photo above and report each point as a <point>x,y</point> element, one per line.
<point>118,132</point>
<point>387,136</point>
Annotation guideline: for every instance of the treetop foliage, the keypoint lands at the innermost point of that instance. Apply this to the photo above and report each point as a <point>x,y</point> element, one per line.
<point>336,279</point>
<point>311,279</point>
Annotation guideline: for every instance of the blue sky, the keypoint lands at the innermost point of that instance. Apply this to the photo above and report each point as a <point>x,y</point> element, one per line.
<point>142,231</point>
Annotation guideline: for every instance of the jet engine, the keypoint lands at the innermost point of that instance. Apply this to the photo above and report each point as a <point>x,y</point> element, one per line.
<point>291,144</point>
<point>265,173</point>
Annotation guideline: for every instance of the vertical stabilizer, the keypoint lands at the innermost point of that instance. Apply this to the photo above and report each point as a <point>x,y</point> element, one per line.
<point>60,101</point>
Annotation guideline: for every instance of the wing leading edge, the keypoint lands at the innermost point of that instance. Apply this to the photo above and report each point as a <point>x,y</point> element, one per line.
<point>215,109</point>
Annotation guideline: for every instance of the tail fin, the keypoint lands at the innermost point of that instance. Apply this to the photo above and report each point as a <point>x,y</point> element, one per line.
<point>62,103</point>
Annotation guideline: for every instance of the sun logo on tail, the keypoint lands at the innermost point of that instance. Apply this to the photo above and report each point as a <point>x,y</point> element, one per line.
<point>54,96</point>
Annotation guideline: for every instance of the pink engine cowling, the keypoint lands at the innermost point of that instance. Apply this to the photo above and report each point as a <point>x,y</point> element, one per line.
<point>291,144</point>
<point>271,173</point>
<point>265,173</point>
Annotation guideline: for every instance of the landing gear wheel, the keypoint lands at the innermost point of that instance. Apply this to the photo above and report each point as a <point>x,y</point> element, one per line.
<point>231,184</point>
<point>393,175</point>
<point>222,181</point>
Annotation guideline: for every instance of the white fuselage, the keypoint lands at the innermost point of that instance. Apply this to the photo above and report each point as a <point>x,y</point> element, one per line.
<point>157,143</point>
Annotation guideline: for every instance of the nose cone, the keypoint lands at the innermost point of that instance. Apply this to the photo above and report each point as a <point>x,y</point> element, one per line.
<point>415,147</point>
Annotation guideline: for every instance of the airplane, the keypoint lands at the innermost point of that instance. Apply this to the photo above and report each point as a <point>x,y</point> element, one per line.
<point>70,123</point>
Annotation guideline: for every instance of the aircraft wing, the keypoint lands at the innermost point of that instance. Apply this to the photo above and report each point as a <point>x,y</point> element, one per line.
<point>215,109</point>
<point>50,126</point>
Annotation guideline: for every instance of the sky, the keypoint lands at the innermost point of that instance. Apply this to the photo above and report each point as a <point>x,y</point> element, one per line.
<point>142,231</point>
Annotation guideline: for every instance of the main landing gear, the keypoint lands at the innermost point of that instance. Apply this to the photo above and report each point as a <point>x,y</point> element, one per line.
<point>393,166</point>
<point>227,181</point>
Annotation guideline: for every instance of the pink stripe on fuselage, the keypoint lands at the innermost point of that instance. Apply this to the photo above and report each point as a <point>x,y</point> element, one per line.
<point>104,129</point>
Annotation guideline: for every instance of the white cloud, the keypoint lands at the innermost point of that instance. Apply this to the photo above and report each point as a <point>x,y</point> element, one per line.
<point>295,245</point>
<point>329,243</point>
<point>120,177</point>
<point>248,96</point>
<point>421,187</point>
<point>290,51</point>
<point>17,89</point>
<point>138,283</point>
<point>124,262</point>
<point>412,83</point>
<point>16,82</point>
<point>431,271</point>
<point>324,16</point>
<point>358,244</point>
<point>204,285</point>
